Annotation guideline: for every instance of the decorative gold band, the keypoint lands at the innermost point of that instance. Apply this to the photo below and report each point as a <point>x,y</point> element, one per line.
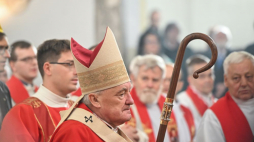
<point>103,77</point>
<point>164,122</point>
<point>169,100</point>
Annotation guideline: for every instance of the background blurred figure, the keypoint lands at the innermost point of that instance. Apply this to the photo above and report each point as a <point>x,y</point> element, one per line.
<point>222,37</point>
<point>181,124</point>
<point>5,98</point>
<point>170,47</point>
<point>147,74</point>
<point>3,76</point>
<point>250,48</point>
<point>167,80</point>
<point>24,68</point>
<point>231,118</point>
<point>150,44</point>
<point>35,119</point>
<point>198,96</point>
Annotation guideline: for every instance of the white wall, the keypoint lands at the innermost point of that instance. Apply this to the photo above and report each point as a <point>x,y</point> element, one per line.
<point>47,19</point>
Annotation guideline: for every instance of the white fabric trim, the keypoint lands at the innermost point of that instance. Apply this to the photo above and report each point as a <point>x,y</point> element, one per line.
<point>51,99</point>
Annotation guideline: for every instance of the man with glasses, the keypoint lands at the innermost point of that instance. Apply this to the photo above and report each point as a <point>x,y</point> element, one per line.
<point>24,68</point>
<point>35,119</point>
<point>5,99</point>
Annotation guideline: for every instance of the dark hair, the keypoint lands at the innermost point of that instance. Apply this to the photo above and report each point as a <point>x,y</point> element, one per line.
<point>169,27</point>
<point>194,60</point>
<point>142,40</point>
<point>2,35</point>
<point>50,51</point>
<point>18,44</point>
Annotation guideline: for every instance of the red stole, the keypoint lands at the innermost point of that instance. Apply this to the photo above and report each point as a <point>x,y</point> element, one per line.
<point>189,119</point>
<point>144,116</point>
<point>17,89</point>
<point>199,103</point>
<point>233,122</point>
<point>77,92</point>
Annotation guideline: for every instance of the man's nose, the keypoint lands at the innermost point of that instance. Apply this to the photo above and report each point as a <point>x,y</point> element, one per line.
<point>129,100</point>
<point>243,82</point>
<point>150,84</point>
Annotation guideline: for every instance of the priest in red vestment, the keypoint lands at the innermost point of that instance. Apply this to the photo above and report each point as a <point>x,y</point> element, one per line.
<point>35,119</point>
<point>147,74</point>
<point>24,68</point>
<point>105,101</point>
<point>198,96</point>
<point>231,118</point>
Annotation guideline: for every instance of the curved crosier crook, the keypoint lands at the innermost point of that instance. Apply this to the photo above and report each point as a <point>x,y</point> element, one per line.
<point>168,104</point>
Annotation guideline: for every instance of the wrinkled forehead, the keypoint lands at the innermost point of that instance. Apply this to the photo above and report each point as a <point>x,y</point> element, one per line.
<point>244,67</point>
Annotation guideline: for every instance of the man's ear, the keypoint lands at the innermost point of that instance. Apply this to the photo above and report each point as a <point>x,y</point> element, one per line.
<point>47,68</point>
<point>225,80</point>
<point>132,77</point>
<point>12,66</point>
<point>93,98</point>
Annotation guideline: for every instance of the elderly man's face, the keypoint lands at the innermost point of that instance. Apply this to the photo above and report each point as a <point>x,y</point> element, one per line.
<point>115,104</point>
<point>239,80</point>
<point>204,83</point>
<point>148,84</point>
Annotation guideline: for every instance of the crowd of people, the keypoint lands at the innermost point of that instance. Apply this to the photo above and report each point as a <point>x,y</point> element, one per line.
<point>88,95</point>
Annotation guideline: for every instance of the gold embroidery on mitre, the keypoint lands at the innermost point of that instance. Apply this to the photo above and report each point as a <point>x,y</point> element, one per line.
<point>103,77</point>
<point>1,30</point>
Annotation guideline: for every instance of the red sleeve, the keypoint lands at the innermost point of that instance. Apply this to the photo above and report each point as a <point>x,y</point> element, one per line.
<point>20,125</point>
<point>75,131</point>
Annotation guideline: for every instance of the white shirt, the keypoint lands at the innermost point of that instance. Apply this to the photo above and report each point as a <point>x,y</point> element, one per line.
<point>184,99</point>
<point>154,113</point>
<point>51,99</point>
<point>210,129</point>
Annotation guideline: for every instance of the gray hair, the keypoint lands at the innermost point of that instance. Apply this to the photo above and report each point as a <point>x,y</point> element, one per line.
<point>236,57</point>
<point>150,61</point>
<point>86,100</point>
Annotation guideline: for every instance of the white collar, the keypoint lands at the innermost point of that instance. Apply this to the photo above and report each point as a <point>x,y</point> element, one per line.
<point>112,128</point>
<point>249,102</point>
<point>50,98</point>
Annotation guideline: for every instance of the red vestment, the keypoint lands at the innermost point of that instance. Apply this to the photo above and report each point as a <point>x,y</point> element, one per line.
<point>233,122</point>
<point>199,103</point>
<point>30,121</point>
<point>172,124</point>
<point>77,93</point>
<point>17,89</point>
<point>75,131</point>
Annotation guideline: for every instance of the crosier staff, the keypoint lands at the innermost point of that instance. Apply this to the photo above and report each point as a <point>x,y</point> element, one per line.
<point>168,104</point>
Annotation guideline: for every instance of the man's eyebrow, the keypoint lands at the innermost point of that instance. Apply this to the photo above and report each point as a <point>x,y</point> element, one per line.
<point>123,89</point>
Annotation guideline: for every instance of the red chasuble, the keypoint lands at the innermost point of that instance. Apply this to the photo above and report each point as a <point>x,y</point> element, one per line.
<point>74,131</point>
<point>146,122</point>
<point>17,89</point>
<point>77,92</point>
<point>30,121</point>
<point>233,122</point>
<point>198,102</point>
